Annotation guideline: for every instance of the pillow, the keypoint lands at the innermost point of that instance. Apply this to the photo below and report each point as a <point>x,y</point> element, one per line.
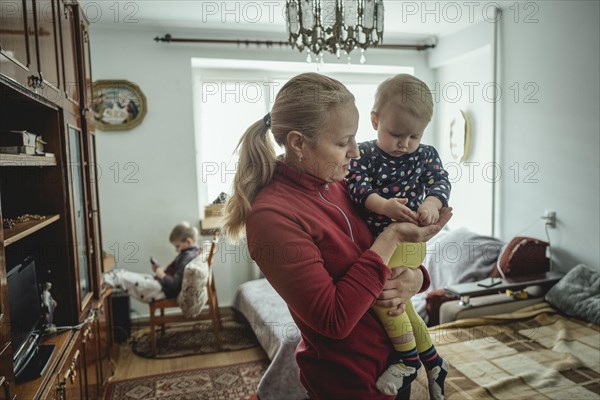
<point>522,256</point>
<point>193,294</point>
<point>578,294</point>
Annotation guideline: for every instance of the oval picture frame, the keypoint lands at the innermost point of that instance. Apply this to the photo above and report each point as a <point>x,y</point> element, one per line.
<point>460,136</point>
<point>119,105</point>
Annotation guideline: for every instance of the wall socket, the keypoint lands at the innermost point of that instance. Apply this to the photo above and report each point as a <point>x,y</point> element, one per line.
<point>550,218</point>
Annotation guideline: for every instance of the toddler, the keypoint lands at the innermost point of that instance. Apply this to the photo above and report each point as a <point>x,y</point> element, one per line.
<point>166,282</point>
<point>399,179</point>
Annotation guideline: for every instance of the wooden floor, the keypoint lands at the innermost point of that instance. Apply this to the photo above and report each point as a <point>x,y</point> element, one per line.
<point>128,365</point>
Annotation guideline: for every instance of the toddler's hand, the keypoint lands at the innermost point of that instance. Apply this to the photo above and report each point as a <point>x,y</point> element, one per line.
<point>395,208</point>
<point>159,273</point>
<point>427,214</point>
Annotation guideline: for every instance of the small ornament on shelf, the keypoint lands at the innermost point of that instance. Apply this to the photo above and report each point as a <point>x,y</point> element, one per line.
<point>49,305</point>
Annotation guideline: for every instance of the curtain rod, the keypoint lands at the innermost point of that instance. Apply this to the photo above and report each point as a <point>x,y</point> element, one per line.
<point>269,43</point>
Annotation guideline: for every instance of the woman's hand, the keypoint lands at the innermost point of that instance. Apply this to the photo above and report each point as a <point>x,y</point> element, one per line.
<point>402,284</point>
<point>412,233</point>
<point>400,232</point>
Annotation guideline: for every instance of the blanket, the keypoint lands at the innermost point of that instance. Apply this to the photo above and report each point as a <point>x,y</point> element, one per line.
<point>578,293</point>
<point>278,335</point>
<point>530,354</point>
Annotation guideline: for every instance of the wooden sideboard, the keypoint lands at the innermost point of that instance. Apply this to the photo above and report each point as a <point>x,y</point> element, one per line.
<point>45,88</point>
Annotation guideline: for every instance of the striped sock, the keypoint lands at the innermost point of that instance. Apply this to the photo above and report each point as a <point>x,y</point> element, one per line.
<point>430,358</point>
<point>437,370</point>
<point>400,374</point>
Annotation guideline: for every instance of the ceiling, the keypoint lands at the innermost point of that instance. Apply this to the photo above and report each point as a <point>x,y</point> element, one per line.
<point>403,19</point>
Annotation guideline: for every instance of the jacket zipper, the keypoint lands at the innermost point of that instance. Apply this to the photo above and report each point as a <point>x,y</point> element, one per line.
<point>342,211</point>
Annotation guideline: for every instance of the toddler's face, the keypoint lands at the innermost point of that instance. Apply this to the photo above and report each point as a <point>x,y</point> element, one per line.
<point>398,131</point>
<point>182,245</point>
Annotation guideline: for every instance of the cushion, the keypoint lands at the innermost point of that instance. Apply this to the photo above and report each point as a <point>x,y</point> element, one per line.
<point>578,293</point>
<point>194,294</point>
<point>522,256</point>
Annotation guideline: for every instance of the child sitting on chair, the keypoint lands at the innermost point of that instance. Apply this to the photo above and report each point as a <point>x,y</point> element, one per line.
<point>397,178</point>
<point>166,282</point>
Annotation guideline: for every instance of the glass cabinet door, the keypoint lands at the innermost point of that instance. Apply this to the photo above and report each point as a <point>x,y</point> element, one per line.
<point>79,214</point>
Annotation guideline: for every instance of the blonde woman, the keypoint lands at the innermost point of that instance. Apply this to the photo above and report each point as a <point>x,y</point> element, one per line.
<point>310,242</point>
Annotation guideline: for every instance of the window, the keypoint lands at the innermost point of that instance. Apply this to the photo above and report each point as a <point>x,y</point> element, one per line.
<point>230,95</point>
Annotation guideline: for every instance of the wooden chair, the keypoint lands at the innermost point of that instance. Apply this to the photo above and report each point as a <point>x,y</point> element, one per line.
<point>212,302</point>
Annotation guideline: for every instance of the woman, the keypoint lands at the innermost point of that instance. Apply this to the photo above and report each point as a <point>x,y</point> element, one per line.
<point>312,245</point>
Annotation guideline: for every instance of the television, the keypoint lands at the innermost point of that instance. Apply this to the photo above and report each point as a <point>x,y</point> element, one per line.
<point>24,305</point>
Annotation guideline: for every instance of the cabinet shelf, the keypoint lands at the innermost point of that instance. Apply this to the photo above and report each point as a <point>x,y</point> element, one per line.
<point>23,160</point>
<point>24,229</point>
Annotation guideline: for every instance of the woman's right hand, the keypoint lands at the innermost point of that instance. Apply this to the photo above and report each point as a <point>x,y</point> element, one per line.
<point>400,232</point>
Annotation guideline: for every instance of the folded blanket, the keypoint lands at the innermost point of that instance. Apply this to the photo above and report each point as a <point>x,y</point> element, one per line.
<point>578,293</point>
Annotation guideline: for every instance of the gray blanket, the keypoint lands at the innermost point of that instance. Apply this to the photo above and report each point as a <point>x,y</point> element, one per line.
<point>578,293</point>
<point>277,334</point>
<point>457,256</point>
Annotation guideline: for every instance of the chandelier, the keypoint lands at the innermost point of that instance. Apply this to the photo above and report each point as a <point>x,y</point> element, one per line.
<point>335,26</point>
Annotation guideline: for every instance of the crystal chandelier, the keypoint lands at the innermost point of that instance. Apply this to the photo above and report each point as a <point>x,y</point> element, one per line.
<point>335,26</point>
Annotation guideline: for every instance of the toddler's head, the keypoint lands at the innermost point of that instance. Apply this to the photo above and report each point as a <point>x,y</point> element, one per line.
<point>183,236</point>
<point>403,108</point>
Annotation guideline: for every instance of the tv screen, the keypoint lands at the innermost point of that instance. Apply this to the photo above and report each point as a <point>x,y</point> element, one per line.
<point>25,309</point>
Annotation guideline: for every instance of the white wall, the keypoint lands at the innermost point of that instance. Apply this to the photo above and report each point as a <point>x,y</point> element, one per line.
<point>558,134</point>
<point>137,217</point>
<point>548,125</point>
<point>155,187</point>
<point>462,63</point>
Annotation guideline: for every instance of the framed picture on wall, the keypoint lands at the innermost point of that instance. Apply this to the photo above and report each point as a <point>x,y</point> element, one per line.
<point>119,105</point>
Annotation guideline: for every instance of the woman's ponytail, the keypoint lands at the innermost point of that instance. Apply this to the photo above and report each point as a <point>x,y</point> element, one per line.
<point>255,170</point>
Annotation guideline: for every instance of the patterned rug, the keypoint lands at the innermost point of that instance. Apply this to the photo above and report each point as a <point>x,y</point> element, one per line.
<point>194,338</point>
<point>232,382</point>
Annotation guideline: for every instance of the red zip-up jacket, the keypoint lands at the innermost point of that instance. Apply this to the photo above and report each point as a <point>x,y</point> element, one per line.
<point>313,247</point>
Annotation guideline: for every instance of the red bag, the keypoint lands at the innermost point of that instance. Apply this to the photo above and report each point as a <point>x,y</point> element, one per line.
<point>522,256</point>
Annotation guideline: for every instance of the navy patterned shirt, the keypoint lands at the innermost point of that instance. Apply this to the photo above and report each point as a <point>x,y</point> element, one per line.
<point>412,176</point>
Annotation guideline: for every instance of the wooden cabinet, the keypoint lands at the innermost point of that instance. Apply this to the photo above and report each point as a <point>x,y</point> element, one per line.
<point>70,58</point>
<point>68,382</point>
<point>45,88</point>
<point>80,237</point>
<point>104,338</point>
<point>29,42</point>
<point>18,42</point>
<point>91,364</point>
<point>48,49</point>
<point>7,382</point>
